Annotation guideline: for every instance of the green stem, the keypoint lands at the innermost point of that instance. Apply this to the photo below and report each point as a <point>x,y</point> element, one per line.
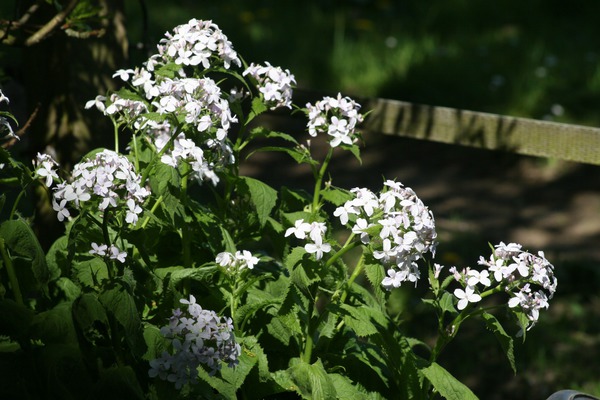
<point>116,134</point>
<point>186,238</point>
<point>152,211</point>
<point>110,265</point>
<point>319,181</point>
<point>9,181</point>
<point>136,153</point>
<point>16,203</point>
<point>358,269</point>
<point>12,276</point>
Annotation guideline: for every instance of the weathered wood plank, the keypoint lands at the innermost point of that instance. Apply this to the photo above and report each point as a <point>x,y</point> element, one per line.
<point>484,130</point>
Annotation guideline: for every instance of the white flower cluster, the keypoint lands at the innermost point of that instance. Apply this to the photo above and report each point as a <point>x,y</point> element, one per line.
<point>528,278</point>
<point>337,117</point>
<point>107,180</point>
<point>274,84</point>
<point>198,103</point>
<point>197,42</point>
<point>236,262</point>
<point>316,232</point>
<point>45,168</point>
<point>198,337</point>
<point>112,252</point>
<point>4,124</point>
<point>398,227</point>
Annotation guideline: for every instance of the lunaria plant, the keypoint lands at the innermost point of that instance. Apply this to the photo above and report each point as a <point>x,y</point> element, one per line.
<point>177,277</point>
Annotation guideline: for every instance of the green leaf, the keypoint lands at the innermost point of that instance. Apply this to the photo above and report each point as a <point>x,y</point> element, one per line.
<point>57,257</point>
<point>446,303</point>
<point>236,376</point>
<point>262,197</point>
<point>262,132</point>
<point>28,256</point>
<point>55,325</point>
<point>364,320</point>
<point>299,155</point>
<point>228,243</point>
<point>117,383</point>
<point>447,385</point>
<point>155,342</point>
<point>14,319</point>
<point>312,380</point>
<point>169,70</point>
<point>375,273</point>
<point>346,389</point>
<point>90,272</point>
<point>354,149</point>
<point>70,290</point>
<point>258,107</point>
<point>506,342</point>
<point>120,303</point>
<point>284,327</point>
<point>336,196</point>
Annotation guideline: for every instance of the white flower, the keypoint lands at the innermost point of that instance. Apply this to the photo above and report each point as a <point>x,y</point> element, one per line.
<point>475,277</point>
<point>466,296</point>
<point>336,117</point>
<point>116,254</point>
<point>300,229</point>
<point>46,168</point>
<point>246,259</point>
<point>197,337</point>
<point>274,84</point>
<point>98,249</point>
<point>317,248</point>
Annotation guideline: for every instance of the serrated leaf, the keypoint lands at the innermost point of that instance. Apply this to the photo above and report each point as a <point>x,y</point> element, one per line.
<point>506,342</point>
<point>258,107</point>
<point>447,385</point>
<point>262,197</point>
<point>90,272</point>
<point>236,376</point>
<point>354,149</point>
<point>311,380</point>
<point>364,320</point>
<point>120,303</point>
<point>346,389</point>
<point>375,274</point>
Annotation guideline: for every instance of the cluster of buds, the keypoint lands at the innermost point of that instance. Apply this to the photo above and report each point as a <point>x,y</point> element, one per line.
<point>396,225</point>
<point>237,262</point>
<point>337,117</point>
<point>198,338</point>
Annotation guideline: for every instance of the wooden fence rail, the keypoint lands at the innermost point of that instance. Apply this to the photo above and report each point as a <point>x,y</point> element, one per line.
<point>477,129</point>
